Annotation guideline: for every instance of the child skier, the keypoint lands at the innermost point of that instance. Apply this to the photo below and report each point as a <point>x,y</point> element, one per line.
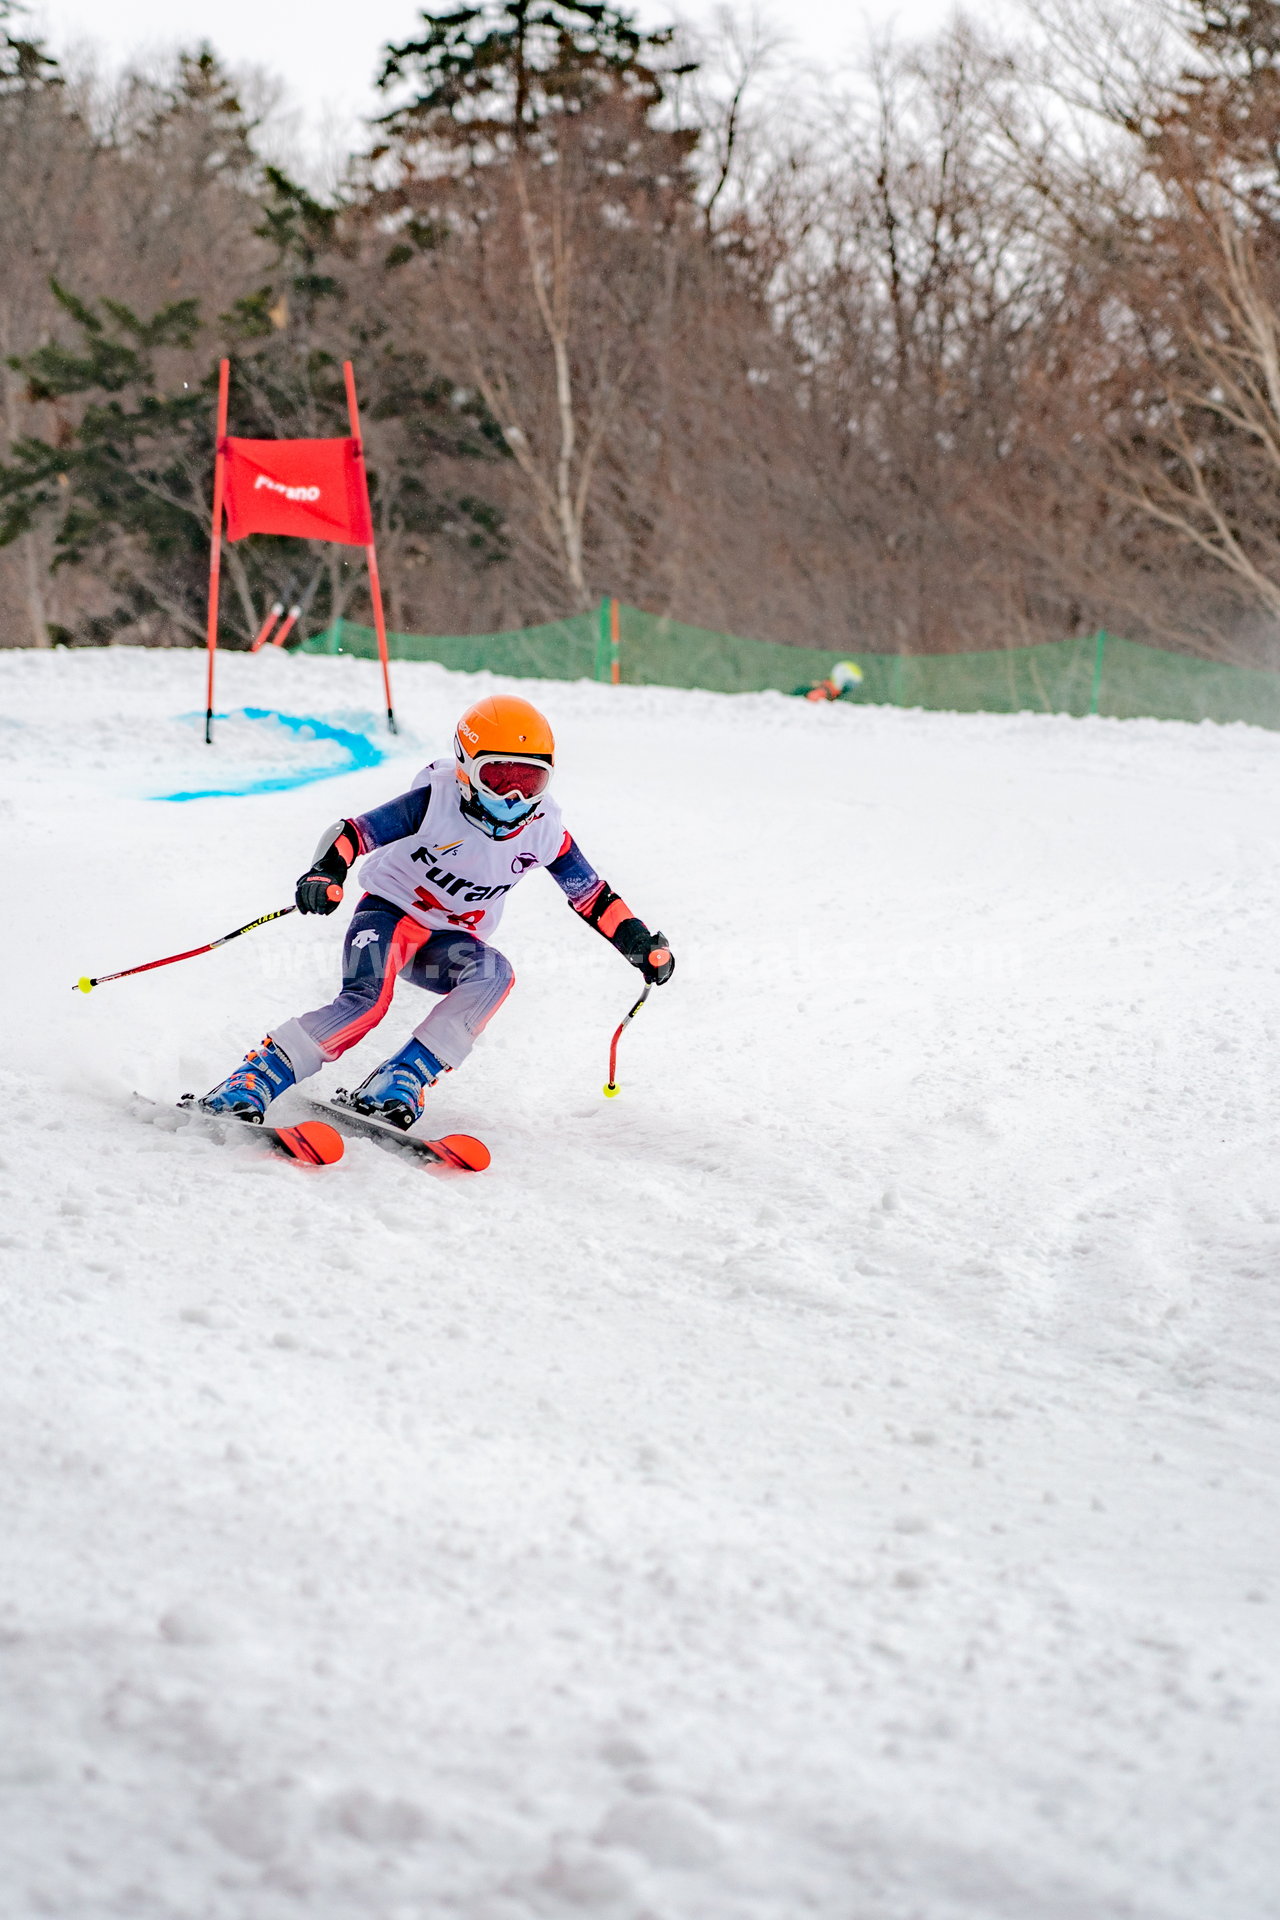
<point>442,860</point>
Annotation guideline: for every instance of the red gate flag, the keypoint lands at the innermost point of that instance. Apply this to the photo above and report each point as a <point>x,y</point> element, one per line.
<point>310,489</point>
<point>304,489</point>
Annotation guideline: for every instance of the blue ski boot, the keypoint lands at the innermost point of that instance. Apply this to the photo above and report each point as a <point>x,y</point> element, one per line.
<point>395,1091</point>
<point>264,1072</point>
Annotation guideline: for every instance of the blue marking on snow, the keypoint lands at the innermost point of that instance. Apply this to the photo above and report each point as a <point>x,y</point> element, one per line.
<point>360,752</point>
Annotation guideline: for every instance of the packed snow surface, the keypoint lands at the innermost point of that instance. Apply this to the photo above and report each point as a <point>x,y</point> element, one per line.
<point>835,1478</point>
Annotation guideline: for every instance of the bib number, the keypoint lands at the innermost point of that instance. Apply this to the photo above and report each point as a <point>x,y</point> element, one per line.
<point>429,904</point>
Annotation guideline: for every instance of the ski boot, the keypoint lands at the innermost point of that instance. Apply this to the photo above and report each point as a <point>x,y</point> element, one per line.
<point>395,1091</point>
<point>247,1093</point>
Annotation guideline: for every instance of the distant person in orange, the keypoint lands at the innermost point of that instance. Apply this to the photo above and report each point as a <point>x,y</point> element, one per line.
<point>844,677</point>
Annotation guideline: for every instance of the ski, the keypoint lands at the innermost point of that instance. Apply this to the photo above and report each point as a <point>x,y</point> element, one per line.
<point>459,1150</point>
<point>309,1143</point>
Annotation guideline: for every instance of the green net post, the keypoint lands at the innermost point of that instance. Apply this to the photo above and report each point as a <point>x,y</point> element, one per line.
<point>609,641</point>
<point>1096,688</point>
<point>602,640</point>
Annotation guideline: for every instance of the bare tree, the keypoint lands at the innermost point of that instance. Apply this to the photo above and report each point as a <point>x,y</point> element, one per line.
<point>1165,190</point>
<point>47,215</point>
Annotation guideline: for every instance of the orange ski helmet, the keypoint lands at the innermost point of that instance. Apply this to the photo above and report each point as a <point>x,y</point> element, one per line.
<point>505,751</point>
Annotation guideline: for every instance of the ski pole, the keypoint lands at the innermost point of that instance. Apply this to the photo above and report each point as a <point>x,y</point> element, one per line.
<point>86,985</point>
<point>611,1089</point>
<point>611,1084</point>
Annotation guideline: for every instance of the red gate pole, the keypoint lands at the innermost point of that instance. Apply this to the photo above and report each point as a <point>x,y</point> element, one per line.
<point>263,634</point>
<point>286,626</point>
<point>215,550</point>
<point>370,552</point>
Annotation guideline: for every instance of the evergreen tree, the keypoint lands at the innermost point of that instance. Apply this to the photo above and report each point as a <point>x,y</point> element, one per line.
<point>496,76</point>
<point>25,64</point>
<point>126,476</point>
<point>527,167</point>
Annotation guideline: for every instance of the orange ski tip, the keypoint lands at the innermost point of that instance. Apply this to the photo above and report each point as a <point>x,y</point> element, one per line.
<point>464,1150</point>
<point>313,1141</point>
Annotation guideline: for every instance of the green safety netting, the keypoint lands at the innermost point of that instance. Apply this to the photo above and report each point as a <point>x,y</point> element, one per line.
<point>1097,674</point>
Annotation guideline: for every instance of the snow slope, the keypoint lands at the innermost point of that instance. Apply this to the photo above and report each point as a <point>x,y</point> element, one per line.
<point>836,1478</point>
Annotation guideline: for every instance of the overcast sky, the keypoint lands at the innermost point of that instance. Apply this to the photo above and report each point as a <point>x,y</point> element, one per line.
<point>327,50</point>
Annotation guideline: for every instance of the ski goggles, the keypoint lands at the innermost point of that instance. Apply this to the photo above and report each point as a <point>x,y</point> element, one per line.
<point>506,779</point>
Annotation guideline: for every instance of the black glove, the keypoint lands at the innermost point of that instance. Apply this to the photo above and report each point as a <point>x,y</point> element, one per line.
<point>317,893</point>
<point>648,951</point>
<point>320,888</point>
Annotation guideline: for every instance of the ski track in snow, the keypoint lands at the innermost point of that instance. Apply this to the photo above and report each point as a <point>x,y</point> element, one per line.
<point>836,1478</point>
